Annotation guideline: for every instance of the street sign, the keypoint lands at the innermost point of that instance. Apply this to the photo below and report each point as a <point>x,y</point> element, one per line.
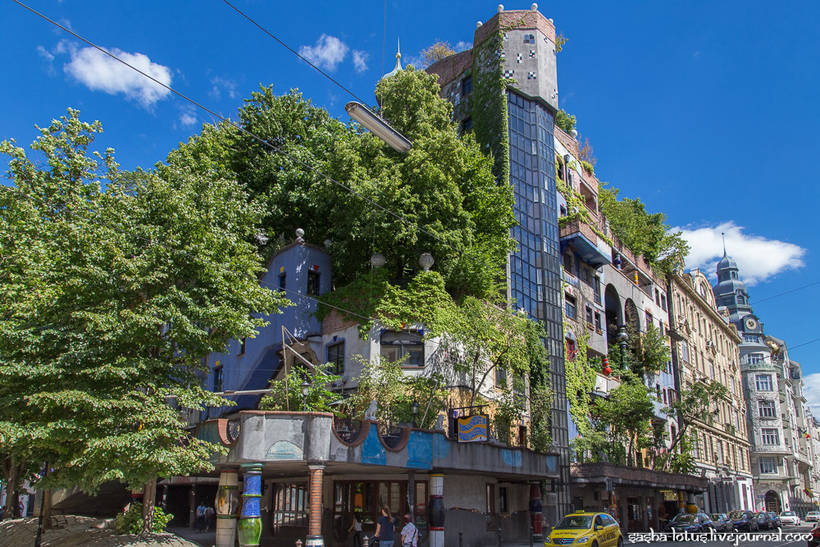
<point>472,429</point>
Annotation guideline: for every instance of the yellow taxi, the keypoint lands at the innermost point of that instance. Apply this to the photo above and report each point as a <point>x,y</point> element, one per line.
<point>588,529</point>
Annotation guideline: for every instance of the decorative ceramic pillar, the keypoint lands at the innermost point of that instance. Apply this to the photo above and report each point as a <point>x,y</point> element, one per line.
<point>250,521</point>
<point>314,537</point>
<point>436,509</point>
<point>227,505</point>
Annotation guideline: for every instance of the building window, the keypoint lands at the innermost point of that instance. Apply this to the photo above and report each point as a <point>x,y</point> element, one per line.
<point>589,315</point>
<point>572,350</point>
<point>313,283</point>
<point>283,280</point>
<point>684,351</point>
<point>568,263</point>
<point>569,307</point>
<point>754,358</point>
<point>336,356</point>
<point>751,338</point>
<point>657,297</point>
<point>663,302</point>
<point>597,321</point>
<point>503,506</point>
<point>529,38</point>
<point>289,505</point>
<point>766,409</point>
<point>648,320</point>
<point>218,377</point>
<point>763,382</point>
<point>768,465</point>
<point>596,288</point>
<point>407,345</point>
<point>242,345</point>
<point>489,498</point>
<point>769,436</point>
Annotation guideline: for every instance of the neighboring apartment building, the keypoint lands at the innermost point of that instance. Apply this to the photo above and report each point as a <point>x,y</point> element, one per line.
<point>772,386</point>
<point>705,349</point>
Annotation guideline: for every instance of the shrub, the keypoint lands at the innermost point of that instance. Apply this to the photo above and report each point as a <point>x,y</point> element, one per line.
<point>130,522</point>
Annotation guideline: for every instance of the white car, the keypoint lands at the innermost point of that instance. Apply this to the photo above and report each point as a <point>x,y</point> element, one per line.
<point>789,517</point>
<point>812,516</point>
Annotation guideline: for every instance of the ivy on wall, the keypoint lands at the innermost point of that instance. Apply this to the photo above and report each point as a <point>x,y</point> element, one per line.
<point>580,378</point>
<point>490,100</point>
<point>576,205</point>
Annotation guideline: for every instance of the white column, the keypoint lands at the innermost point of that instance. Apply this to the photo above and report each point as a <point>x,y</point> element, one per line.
<point>437,510</point>
<point>226,506</point>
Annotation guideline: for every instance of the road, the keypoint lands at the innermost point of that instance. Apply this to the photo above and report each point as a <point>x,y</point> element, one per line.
<point>788,536</point>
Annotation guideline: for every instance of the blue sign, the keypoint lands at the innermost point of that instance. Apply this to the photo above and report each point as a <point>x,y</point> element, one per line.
<point>472,429</point>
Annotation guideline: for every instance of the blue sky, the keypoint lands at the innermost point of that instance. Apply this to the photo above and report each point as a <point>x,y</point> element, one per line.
<point>708,111</point>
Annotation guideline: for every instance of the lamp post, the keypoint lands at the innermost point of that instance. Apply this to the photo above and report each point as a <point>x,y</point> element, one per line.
<point>305,389</point>
<point>415,408</point>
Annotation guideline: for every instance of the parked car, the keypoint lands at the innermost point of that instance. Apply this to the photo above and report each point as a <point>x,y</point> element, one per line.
<point>775,519</point>
<point>721,522</point>
<point>789,517</point>
<point>744,521</point>
<point>812,516</point>
<point>694,523</point>
<point>814,539</point>
<point>764,521</point>
<point>589,528</point>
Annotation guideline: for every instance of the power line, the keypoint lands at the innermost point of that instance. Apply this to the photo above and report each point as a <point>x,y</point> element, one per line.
<point>262,141</point>
<point>788,292</point>
<point>302,57</point>
<point>804,344</point>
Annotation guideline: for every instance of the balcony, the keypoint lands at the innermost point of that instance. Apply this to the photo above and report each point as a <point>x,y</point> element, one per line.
<point>585,242</point>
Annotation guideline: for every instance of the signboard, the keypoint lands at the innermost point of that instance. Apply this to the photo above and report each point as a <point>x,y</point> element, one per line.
<point>669,495</point>
<point>472,429</point>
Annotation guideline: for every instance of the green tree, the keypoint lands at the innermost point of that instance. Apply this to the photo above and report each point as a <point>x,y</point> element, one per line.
<point>565,121</point>
<point>286,393</point>
<point>626,414</point>
<point>693,404</point>
<point>644,233</point>
<point>436,52</point>
<point>113,289</point>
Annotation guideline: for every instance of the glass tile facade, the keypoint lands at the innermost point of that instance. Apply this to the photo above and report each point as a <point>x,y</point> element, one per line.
<point>535,268</point>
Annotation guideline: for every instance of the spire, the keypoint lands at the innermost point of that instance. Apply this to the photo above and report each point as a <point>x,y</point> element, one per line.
<point>398,67</point>
<point>723,235</point>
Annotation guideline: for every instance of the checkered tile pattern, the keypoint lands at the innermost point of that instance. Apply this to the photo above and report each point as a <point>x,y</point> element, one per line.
<point>509,73</point>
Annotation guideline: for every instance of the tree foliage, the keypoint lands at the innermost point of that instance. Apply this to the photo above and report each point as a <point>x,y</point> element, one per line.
<point>286,393</point>
<point>624,419</point>
<point>436,52</point>
<point>441,196</point>
<point>565,121</point>
<point>113,287</point>
<point>644,233</point>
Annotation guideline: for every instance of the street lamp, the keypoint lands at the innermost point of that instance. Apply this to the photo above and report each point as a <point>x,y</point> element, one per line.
<point>305,390</point>
<point>378,126</point>
<point>415,412</point>
<point>426,261</point>
<point>622,338</point>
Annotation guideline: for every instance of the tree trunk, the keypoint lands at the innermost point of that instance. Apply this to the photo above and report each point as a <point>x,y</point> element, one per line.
<point>13,490</point>
<point>46,512</point>
<point>149,494</point>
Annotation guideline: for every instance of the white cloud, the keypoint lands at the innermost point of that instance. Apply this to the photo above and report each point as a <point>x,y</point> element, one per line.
<point>222,85</point>
<point>328,52</point>
<point>45,54</point>
<point>757,257</point>
<point>187,118</point>
<point>461,45</point>
<point>811,390</point>
<point>99,72</point>
<point>360,60</point>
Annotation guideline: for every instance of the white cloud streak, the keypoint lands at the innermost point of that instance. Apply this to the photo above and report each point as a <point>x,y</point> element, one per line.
<point>811,389</point>
<point>758,258</point>
<point>360,60</point>
<point>328,52</point>
<point>99,72</point>
<point>222,85</point>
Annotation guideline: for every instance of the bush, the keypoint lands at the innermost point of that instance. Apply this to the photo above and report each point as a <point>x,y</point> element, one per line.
<point>130,522</point>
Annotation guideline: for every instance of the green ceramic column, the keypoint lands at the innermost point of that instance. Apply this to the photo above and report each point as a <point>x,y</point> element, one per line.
<point>250,519</point>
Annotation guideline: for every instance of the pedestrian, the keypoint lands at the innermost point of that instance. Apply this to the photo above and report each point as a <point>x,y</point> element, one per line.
<point>384,529</point>
<point>200,516</point>
<point>356,529</point>
<point>209,518</point>
<point>409,534</point>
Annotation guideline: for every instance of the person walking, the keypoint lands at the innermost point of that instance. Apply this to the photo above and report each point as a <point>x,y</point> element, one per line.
<point>200,516</point>
<point>356,529</point>
<point>409,534</point>
<point>384,529</point>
